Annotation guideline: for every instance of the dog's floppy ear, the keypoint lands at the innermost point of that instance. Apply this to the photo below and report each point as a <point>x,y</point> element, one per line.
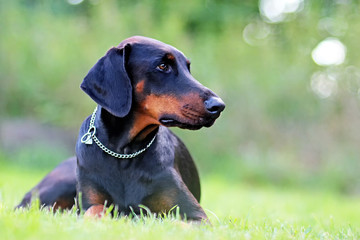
<point>108,83</point>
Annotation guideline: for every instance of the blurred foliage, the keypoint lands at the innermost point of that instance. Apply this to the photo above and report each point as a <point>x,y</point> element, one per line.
<point>275,129</point>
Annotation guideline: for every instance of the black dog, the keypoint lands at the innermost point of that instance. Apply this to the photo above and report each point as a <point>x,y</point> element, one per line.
<point>141,87</point>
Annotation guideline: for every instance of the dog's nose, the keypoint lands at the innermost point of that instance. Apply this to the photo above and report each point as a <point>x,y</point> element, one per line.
<point>214,105</point>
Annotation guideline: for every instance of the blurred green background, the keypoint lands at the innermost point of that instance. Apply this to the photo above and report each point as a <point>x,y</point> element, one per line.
<point>289,72</point>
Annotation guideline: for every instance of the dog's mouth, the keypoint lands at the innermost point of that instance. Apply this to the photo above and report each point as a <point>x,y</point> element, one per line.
<point>170,122</point>
<point>190,117</point>
<point>186,123</point>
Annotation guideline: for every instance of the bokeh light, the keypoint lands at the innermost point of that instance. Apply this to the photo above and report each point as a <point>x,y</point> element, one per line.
<point>275,11</point>
<point>323,84</point>
<point>75,2</point>
<point>255,33</point>
<point>330,51</point>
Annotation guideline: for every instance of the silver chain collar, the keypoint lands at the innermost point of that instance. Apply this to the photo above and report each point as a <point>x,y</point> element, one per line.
<point>89,136</point>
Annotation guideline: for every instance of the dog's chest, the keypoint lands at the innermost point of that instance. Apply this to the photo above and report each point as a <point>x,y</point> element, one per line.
<point>129,182</point>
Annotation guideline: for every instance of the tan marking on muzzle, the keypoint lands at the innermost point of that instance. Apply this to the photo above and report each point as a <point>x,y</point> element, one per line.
<point>153,107</point>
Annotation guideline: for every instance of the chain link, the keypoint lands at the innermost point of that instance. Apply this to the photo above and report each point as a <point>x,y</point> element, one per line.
<point>90,135</point>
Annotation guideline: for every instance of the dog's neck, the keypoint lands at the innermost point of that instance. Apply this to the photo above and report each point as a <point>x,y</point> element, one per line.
<point>129,131</point>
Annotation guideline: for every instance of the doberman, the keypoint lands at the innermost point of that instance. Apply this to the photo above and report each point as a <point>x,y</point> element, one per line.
<point>125,154</point>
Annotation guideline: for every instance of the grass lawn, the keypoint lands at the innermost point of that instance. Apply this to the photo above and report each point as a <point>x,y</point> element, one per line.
<point>237,211</point>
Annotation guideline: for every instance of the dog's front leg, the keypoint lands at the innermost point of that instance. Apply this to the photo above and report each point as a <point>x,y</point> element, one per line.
<point>171,191</point>
<point>93,200</point>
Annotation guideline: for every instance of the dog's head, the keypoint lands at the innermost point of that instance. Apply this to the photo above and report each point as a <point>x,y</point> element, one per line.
<point>154,80</point>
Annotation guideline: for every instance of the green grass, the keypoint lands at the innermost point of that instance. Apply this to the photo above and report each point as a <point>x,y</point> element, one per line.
<point>237,211</point>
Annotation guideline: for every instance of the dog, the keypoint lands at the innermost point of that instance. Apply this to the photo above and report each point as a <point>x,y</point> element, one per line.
<point>125,154</point>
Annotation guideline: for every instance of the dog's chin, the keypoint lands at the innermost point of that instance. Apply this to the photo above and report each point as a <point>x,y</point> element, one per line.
<point>186,124</point>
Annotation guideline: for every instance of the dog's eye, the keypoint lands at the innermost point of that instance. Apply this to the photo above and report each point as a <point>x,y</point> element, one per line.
<point>164,67</point>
